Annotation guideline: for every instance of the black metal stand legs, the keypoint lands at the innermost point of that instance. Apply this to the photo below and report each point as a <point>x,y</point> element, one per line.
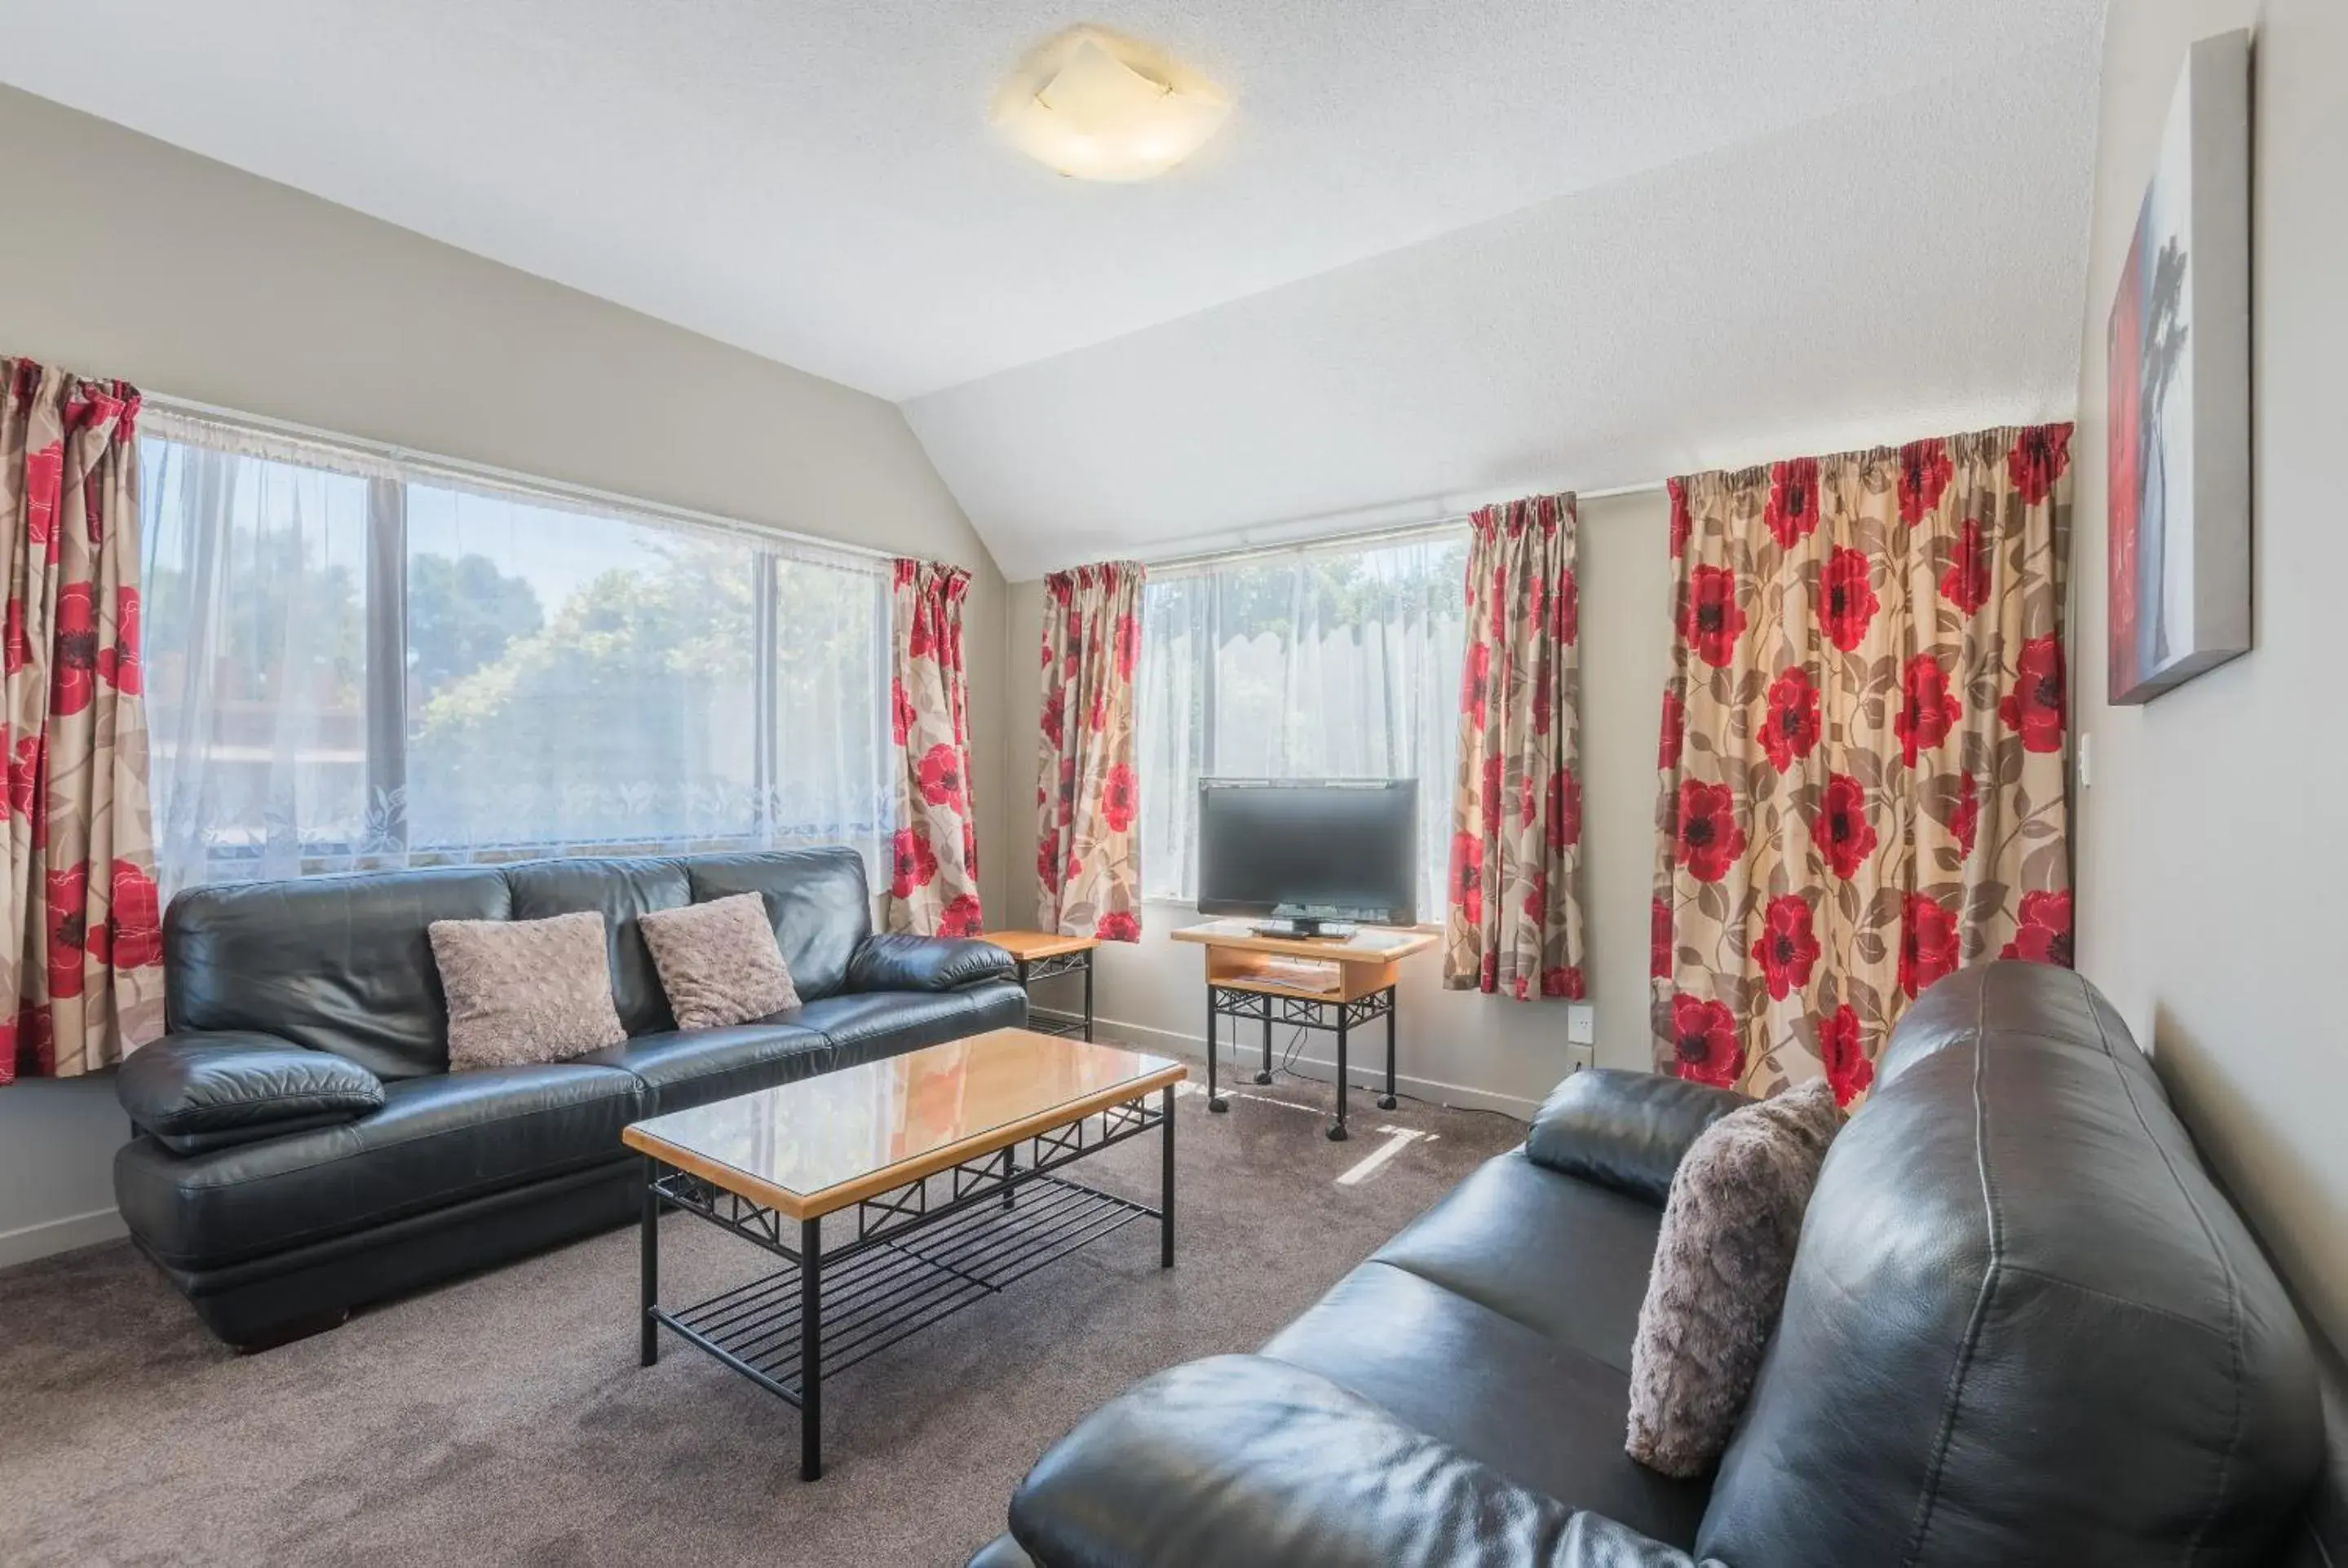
<point>1387,1100</point>
<point>1337,1018</point>
<point>648,1352</point>
<point>1166,1183</point>
<point>1337,1133</point>
<point>1215,1102</point>
<point>1028,971</point>
<point>811,1349</point>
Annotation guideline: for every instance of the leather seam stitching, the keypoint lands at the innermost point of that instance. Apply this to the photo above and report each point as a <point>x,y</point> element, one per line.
<point>169,1121</point>
<point>1496,1310</point>
<point>2233,1287</point>
<point>2026,1272</point>
<point>1991,1273</point>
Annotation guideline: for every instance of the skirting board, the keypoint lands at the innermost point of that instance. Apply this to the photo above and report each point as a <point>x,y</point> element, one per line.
<point>1367,1069</point>
<point>26,1243</point>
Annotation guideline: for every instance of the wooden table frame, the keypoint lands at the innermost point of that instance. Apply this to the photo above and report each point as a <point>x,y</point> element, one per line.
<point>915,1257</point>
<point>1246,980</point>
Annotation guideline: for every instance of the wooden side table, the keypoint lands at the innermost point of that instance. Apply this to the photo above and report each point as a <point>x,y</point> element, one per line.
<point>1309,982</point>
<point>1046,955</point>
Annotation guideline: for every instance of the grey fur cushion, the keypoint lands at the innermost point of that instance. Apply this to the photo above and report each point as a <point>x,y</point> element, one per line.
<point>1722,1260</point>
<point>718,962</point>
<point>524,991</point>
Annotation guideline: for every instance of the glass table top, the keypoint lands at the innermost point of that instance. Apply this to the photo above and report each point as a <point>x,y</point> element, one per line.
<point>836,1129</point>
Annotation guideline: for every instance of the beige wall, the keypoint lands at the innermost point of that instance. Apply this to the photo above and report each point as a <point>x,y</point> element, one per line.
<point>125,257</point>
<point>2213,841</point>
<point>1461,1047</point>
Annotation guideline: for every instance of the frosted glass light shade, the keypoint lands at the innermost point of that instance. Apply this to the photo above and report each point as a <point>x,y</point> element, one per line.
<point>1095,105</point>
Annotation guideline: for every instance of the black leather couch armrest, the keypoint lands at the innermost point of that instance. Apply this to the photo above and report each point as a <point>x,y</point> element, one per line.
<point>893,963</point>
<point>1240,1461</point>
<point>1623,1130</point>
<point>198,1092</point>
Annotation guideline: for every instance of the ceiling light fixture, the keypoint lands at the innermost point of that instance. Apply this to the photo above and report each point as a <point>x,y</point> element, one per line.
<point>1096,105</point>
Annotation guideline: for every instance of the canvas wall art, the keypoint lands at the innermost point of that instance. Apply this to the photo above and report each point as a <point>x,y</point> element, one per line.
<point>2179,506</point>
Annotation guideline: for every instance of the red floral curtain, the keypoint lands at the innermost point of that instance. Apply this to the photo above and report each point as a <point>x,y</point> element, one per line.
<point>81,976</point>
<point>1863,774</point>
<point>1087,849</point>
<point>1514,921</point>
<point>933,888</point>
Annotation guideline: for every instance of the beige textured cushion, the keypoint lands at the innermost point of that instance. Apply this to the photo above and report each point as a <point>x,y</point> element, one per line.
<point>1722,1260</point>
<point>525,990</point>
<point>718,962</point>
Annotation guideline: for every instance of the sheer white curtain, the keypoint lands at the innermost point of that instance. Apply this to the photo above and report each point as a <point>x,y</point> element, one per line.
<point>360,661</point>
<point>1336,663</point>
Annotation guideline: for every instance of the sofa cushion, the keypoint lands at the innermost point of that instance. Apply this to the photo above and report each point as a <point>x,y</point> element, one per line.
<point>336,963</point>
<point>623,891</point>
<point>718,962</point>
<point>437,1140</point>
<point>816,899</point>
<point>685,1068</point>
<point>864,1026</point>
<point>1720,1261</point>
<point>1540,1412</point>
<point>1565,1257</point>
<point>523,991</point>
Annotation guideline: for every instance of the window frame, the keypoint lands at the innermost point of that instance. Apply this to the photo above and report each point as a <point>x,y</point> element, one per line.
<point>388,472</point>
<point>1205,569</point>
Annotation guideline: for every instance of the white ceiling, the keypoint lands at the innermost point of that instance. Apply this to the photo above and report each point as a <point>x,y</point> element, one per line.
<point>1737,207</point>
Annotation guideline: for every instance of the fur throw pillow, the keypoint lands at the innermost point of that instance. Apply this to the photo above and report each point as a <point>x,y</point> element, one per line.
<point>525,990</point>
<point>1722,1260</point>
<point>718,961</point>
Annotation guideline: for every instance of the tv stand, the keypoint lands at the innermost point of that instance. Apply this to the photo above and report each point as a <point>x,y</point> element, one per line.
<point>1305,928</point>
<point>1322,984</point>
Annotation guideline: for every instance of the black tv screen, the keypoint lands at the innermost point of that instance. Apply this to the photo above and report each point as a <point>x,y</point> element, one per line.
<point>1331,849</point>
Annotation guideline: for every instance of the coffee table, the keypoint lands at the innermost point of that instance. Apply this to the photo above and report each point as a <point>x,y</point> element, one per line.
<point>924,1152</point>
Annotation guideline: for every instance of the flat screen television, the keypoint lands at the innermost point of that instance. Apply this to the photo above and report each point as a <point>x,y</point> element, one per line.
<point>1311,855</point>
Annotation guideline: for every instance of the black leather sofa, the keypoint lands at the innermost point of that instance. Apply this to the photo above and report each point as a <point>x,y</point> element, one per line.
<point>303,1148</point>
<point>2024,1327</point>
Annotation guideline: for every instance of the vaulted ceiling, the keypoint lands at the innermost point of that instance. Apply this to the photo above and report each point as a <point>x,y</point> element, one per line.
<point>1438,247</point>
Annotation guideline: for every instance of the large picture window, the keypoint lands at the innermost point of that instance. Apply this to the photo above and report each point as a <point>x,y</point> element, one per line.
<point>358,661</point>
<point>1333,662</point>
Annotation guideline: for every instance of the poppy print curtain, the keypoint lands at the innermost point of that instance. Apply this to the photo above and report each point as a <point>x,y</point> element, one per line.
<point>1088,848</point>
<point>1514,925</point>
<point>1863,772</point>
<point>933,886</point>
<point>81,967</point>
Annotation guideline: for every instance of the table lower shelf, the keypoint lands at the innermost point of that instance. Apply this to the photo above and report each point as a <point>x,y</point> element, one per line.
<point>889,1292</point>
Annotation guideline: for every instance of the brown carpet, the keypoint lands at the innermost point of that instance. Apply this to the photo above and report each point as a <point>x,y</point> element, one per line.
<point>503,1419</point>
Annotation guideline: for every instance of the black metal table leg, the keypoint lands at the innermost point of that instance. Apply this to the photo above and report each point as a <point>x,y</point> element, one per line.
<point>1387,1100</point>
<point>1264,1076</point>
<point>1337,1133</point>
<point>1166,1181</point>
<point>648,1352</point>
<point>811,1349</point>
<point>1214,1101</point>
<point>1089,993</point>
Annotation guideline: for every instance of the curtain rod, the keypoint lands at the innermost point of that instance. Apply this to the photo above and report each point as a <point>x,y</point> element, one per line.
<point>508,478</point>
<point>1333,529</point>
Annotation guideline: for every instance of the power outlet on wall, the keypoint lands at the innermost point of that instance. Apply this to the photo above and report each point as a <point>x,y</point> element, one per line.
<point>1581,1024</point>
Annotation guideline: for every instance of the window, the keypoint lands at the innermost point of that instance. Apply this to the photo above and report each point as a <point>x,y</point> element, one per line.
<point>358,661</point>
<point>1325,663</point>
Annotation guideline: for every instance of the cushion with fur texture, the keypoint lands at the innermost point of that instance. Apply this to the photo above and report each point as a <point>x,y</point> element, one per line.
<point>1722,1259</point>
<point>718,961</point>
<point>525,991</point>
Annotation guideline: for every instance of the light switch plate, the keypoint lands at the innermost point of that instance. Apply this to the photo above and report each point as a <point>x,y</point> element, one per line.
<point>1581,1024</point>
